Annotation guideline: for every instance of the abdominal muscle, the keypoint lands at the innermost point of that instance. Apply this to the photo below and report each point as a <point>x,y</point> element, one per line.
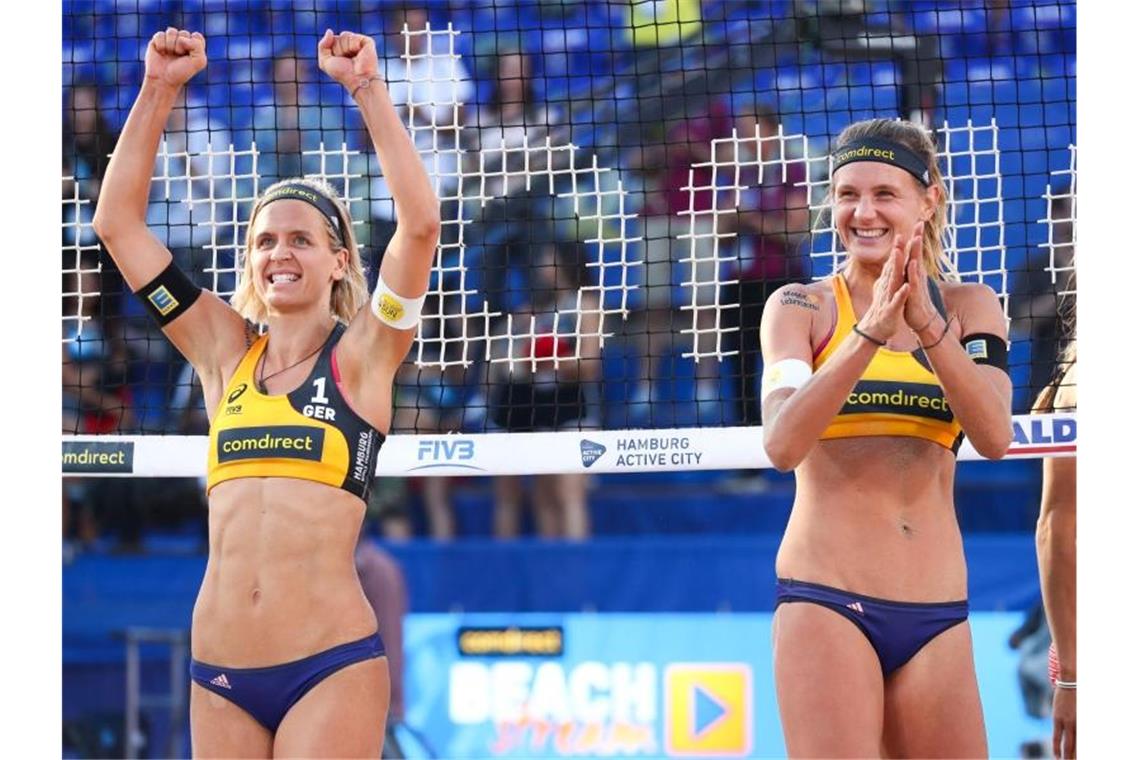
<point>875,516</point>
<point>281,581</point>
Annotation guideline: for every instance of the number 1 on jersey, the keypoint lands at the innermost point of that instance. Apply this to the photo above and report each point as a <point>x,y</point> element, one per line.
<point>319,397</point>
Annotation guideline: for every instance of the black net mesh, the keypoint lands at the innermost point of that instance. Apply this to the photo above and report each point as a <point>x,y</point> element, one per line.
<point>622,186</point>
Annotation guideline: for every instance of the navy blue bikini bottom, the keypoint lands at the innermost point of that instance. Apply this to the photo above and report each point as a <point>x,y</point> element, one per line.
<point>268,693</point>
<point>896,630</point>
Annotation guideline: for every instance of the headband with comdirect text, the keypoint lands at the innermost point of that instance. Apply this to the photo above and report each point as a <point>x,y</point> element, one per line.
<point>314,198</point>
<point>882,151</point>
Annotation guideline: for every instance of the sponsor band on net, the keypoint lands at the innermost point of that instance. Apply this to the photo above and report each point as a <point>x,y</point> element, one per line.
<point>1034,435</point>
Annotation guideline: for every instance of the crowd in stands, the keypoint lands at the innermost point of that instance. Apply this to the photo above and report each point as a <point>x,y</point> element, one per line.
<point>524,254</point>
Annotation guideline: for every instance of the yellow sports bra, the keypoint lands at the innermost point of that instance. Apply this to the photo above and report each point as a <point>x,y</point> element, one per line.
<point>311,433</point>
<point>898,394</point>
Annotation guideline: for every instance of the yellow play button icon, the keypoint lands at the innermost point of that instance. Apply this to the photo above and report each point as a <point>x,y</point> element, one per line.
<point>708,709</point>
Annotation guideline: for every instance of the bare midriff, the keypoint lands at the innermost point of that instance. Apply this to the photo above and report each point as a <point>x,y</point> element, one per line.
<point>281,581</point>
<point>875,516</point>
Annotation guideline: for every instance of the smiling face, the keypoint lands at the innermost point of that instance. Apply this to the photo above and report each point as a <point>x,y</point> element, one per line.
<point>292,262</point>
<point>871,203</point>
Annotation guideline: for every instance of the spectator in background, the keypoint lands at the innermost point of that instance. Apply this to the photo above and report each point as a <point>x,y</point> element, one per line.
<point>665,166</point>
<point>429,399</point>
<point>193,215</point>
<point>96,397</point>
<point>95,358</point>
<point>1035,306</point>
<point>96,400</point>
<point>534,393</point>
<point>293,121</point>
<point>662,23</point>
<point>999,32</point>
<point>853,30</point>
<point>1057,547</point>
<point>429,88</point>
<point>387,593</point>
<point>504,211</point>
<point>1032,643</point>
<point>181,212</point>
<point>87,138</point>
<point>433,397</point>
<point>770,224</point>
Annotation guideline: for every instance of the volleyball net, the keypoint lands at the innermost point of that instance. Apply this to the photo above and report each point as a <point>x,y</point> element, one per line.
<point>622,183</point>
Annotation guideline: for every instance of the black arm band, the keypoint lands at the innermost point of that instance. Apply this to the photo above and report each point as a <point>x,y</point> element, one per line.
<point>987,348</point>
<point>167,296</point>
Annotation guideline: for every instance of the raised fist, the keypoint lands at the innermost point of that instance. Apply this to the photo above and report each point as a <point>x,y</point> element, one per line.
<point>173,57</point>
<point>349,58</point>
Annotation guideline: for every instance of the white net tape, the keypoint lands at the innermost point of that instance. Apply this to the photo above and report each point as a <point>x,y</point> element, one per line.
<point>595,451</point>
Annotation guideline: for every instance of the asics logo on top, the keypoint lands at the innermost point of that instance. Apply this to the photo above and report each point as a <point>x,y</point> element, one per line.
<point>236,393</point>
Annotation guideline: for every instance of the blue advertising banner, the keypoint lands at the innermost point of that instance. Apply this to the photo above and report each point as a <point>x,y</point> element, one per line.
<point>634,685</point>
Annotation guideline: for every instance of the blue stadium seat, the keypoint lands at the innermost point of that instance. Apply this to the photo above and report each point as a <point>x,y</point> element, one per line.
<point>991,69</point>
<point>1035,155</point>
<point>242,94</point>
<point>1029,90</point>
<point>130,50</point>
<point>1060,114</point>
<point>80,52</point>
<point>239,47</point>
<point>1058,89</point>
<point>621,369</point>
<point>956,93</point>
<point>104,26</point>
<point>217,95</point>
<point>1008,116</point>
<point>1058,158</point>
<point>958,114</point>
<point>818,125</point>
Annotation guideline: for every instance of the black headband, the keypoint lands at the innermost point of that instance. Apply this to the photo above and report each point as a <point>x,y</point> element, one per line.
<point>298,192</point>
<point>885,152</point>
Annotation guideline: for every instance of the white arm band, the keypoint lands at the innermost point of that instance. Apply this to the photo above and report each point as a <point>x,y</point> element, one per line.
<point>395,310</point>
<point>786,373</point>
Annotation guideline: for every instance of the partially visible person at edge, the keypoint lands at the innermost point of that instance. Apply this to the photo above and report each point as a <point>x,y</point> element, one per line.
<point>286,658</point>
<point>1057,549</point>
<point>872,378</point>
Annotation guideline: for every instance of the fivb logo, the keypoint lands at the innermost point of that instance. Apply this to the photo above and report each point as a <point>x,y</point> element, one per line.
<point>591,452</point>
<point>443,453</point>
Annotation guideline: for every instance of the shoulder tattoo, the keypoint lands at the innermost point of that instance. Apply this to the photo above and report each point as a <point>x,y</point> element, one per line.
<point>800,298</point>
